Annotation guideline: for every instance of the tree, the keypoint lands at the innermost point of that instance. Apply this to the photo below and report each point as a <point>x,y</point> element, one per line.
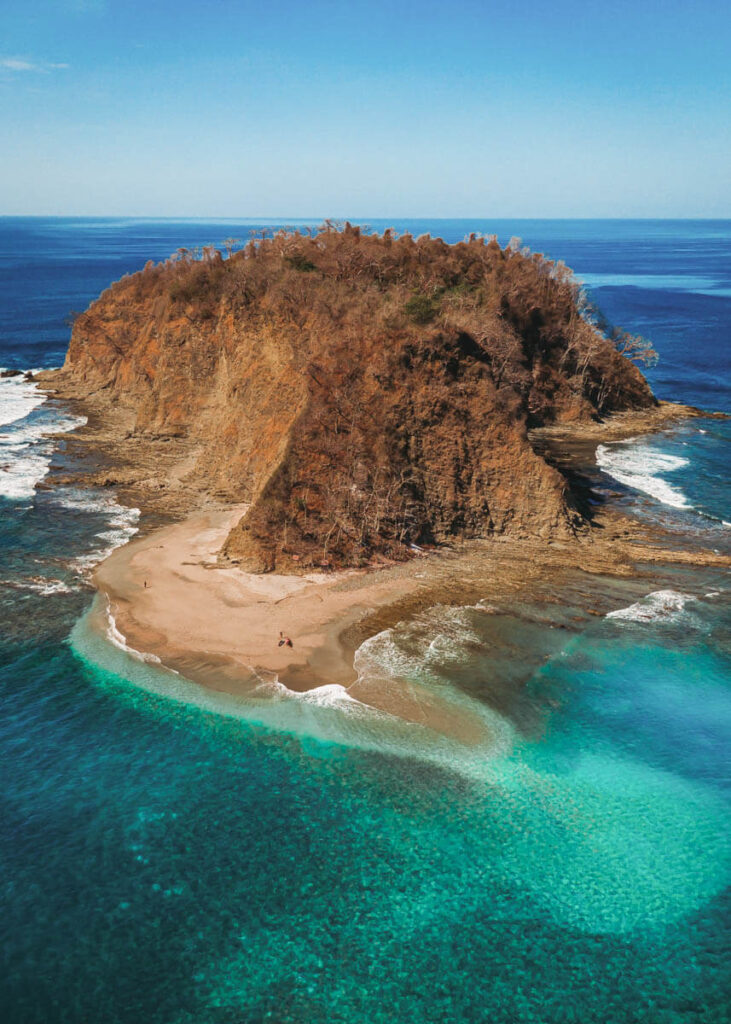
<point>634,347</point>
<point>230,244</point>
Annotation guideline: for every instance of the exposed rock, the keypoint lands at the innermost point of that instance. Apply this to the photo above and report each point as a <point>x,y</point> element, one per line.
<point>364,394</point>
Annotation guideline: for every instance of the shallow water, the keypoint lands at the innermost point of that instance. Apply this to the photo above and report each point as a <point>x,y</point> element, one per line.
<point>297,860</point>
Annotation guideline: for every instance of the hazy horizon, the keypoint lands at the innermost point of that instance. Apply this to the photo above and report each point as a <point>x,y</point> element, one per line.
<point>316,220</point>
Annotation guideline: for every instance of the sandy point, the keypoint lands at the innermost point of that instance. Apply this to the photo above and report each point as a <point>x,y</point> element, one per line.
<point>219,626</point>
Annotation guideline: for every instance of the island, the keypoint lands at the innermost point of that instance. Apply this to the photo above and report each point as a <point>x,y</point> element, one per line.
<point>339,428</point>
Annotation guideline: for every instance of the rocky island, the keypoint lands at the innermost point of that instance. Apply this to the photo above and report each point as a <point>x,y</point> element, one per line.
<point>320,403</point>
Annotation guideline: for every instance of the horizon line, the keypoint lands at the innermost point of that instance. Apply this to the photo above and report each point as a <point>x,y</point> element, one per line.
<point>334,219</point>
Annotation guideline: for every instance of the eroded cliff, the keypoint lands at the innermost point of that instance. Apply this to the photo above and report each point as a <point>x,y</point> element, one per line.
<point>364,393</point>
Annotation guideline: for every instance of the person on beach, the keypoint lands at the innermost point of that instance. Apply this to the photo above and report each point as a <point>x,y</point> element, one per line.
<point>284,641</point>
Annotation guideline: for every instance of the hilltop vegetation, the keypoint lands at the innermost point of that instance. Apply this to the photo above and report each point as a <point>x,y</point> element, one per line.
<point>364,392</point>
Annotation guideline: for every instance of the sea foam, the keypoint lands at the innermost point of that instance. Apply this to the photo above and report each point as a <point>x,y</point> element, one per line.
<point>18,398</point>
<point>329,695</point>
<point>27,441</point>
<point>40,585</point>
<point>27,437</point>
<point>659,606</point>
<point>641,468</point>
<point>114,636</point>
<point>122,523</point>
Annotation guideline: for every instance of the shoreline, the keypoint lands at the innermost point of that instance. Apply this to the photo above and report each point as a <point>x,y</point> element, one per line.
<point>218,626</point>
<point>158,472</point>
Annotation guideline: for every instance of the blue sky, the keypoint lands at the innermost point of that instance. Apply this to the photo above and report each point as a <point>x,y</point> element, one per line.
<point>228,108</point>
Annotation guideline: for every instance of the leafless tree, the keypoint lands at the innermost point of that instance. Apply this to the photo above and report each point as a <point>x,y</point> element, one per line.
<point>230,244</point>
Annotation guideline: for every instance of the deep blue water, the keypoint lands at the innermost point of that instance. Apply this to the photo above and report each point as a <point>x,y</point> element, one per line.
<point>165,861</point>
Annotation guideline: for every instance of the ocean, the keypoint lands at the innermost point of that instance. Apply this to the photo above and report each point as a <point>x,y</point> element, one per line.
<point>167,858</point>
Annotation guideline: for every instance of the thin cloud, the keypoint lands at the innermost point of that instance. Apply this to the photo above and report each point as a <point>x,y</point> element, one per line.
<point>19,64</point>
<point>11,64</point>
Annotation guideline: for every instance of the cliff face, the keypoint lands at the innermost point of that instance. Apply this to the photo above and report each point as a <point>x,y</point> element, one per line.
<point>364,393</point>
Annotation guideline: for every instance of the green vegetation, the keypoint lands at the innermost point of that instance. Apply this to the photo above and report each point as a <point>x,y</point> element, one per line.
<point>421,309</point>
<point>300,262</point>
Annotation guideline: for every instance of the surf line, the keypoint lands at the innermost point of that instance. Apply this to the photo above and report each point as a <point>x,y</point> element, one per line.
<point>116,637</point>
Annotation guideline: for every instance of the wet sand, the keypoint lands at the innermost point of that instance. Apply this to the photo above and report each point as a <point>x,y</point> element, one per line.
<point>219,626</point>
<point>169,596</point>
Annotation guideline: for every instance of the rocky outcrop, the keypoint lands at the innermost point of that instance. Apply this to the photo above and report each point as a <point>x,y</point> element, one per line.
<point>365,394</point>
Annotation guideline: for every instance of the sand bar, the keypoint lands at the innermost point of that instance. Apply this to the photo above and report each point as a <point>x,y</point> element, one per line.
<point>169,594</point>
<point>219,626</point>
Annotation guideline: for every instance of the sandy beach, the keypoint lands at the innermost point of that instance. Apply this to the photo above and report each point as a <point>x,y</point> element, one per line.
<point>220,627</point>
<point>168,595</point>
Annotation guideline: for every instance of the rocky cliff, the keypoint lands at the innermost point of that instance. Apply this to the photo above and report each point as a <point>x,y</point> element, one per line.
<point>364,393</point>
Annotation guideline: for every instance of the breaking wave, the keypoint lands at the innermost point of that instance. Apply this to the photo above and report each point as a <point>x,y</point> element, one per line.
<point>122,523</point>
<point>659,606</point>
<point>40,585</point>
<point>114,636</point>
<point>27,436</point>
<point>18,397</point>
<point>642,468</point>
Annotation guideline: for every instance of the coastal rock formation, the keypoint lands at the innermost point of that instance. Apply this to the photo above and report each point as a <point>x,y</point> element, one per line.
<point>365,394</point>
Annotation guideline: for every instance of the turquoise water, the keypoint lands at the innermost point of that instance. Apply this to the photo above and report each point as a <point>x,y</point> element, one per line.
<point>284,861</point>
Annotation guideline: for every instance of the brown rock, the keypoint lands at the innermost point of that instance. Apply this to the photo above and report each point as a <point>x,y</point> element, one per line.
<point>363,394</point>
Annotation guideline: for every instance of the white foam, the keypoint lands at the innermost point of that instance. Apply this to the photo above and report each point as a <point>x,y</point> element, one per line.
<point>40,585</point>
<point>120,640</point>
<point>83,500</point>
<point>420,648</point>
<point>18,398</point>
<point>640,467</point>
<point>26,446</point>
<point>20,472</point>
<point>123,524</point>
<point>481,606</point>
<point>659,606</point>
<point>330,695</point>
<point>409,660</point>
